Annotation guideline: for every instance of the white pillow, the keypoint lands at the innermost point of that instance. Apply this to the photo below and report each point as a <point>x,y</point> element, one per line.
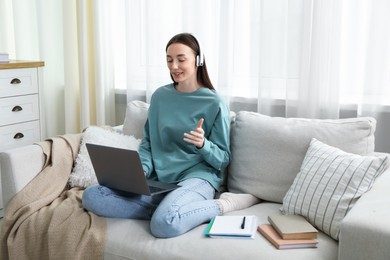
<point>83,174</point>
<point>329,184</point>
<point>136,115</point>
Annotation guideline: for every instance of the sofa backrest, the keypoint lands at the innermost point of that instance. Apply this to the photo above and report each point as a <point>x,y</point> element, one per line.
<point>267,152</point>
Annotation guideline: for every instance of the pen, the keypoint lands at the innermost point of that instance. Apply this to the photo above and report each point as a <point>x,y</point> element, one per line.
<point>243,223</point>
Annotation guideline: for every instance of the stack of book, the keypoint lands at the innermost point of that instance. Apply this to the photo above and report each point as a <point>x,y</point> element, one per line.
<point>4,57</point>
<point>289,231</point>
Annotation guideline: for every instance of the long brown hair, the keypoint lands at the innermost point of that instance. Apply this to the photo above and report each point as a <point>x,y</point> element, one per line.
<point>190,41</point>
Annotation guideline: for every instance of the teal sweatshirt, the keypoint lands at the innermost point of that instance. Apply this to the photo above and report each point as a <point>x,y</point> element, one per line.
<point>166,156</point>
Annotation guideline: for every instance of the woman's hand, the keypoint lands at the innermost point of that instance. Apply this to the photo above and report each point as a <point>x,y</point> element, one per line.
<point>196,137</point>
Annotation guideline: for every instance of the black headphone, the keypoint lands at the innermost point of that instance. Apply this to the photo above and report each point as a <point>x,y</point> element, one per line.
<point>199,57</point>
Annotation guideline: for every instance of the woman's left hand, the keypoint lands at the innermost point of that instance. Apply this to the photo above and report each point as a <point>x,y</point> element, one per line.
<point>196,137</point>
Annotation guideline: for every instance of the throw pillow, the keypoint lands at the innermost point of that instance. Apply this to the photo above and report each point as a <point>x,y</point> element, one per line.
<point>83,174</point>
<point>329,184</point>
<point>136,115</point>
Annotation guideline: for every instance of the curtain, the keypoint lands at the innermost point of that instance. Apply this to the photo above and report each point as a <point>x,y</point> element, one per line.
<point>89,81</point>
<point>306,54</point>
<point>290,58</point>
<point>73,39</point>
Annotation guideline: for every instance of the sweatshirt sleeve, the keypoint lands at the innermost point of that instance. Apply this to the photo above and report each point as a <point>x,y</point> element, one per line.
<point>216,148</point>
<point>145,151</point>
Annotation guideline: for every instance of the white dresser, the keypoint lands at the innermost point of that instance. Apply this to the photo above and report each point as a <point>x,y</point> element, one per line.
<point>21,118</point>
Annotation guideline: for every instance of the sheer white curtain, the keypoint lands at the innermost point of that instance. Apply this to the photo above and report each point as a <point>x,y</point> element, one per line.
<point>303,52</point>
<point>89,69</point>
<point>291,58</point>
<point>73,38</point>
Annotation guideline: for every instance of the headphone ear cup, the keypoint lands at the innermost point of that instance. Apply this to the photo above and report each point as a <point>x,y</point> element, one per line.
<point>199,60</point>
<point>199,57</point>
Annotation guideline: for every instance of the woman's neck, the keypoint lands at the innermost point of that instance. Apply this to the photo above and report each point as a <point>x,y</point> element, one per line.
<point>187,88</point>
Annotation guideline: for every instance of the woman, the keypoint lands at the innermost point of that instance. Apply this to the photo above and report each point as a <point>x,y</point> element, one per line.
<point>186,141</point>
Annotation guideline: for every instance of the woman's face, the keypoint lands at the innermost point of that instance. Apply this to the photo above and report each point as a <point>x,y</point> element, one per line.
<point>181,63</point>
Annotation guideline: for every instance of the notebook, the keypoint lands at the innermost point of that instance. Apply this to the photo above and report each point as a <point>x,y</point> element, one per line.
<point>121,169</point>
<point>232,227</point>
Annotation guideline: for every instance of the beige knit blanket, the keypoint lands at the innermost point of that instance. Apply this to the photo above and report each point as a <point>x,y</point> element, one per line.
<point>46,220</point>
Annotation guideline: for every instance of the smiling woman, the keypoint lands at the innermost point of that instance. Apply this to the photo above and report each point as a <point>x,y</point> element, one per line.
<point>181,64</point>
<point>195,162</point>
<point>185,59</point>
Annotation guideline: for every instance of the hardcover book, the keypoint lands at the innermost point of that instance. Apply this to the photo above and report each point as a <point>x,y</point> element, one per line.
<point>292,227</point>
<point>270,233</point>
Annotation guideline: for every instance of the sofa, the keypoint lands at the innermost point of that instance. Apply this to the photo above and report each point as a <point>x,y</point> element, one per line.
<point>272,158</point>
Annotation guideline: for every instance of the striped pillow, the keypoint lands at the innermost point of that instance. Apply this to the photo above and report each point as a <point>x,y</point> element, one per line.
<point>329,183</point>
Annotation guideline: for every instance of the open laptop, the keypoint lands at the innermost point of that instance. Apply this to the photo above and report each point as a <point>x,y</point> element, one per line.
<point>121,169</point>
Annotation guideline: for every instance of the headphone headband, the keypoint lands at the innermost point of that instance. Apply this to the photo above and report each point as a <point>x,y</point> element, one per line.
<point>200,56</point>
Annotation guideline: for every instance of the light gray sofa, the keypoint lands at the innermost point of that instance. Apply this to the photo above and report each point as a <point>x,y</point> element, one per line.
<point>267,154</point>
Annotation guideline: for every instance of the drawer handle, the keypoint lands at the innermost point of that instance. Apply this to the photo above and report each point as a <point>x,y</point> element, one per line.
<point>16,81</point>
<point>17,109</point>
<point>18,136</point>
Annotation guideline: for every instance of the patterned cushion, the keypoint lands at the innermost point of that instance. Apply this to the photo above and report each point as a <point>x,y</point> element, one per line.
<point>329,184</point>
<point>83,174</point>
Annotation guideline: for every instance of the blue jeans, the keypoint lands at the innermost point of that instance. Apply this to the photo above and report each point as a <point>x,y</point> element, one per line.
<point>171,214</point>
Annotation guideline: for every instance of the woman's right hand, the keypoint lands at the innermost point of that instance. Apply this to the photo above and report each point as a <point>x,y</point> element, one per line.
<point>196,137</point>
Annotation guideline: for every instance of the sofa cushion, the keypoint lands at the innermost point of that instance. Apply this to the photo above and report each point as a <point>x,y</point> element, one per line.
<point>267,152</point>
<point>135,118</point>
<point>83,174</point>
<point>131,239</point>
<point>329,184</point>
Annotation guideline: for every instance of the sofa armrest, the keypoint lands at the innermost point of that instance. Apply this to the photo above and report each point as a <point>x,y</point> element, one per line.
<point>18,167</point>
<point>365,231</point>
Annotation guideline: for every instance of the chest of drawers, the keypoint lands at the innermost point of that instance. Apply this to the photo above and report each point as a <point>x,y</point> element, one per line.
<point>21,118</point>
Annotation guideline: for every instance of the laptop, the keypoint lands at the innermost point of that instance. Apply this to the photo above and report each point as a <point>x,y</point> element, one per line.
<point>121,169</point>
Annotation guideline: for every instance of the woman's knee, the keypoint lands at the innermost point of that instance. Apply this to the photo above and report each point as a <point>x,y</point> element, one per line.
<point>172,217</point>
<point>165,226</point>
